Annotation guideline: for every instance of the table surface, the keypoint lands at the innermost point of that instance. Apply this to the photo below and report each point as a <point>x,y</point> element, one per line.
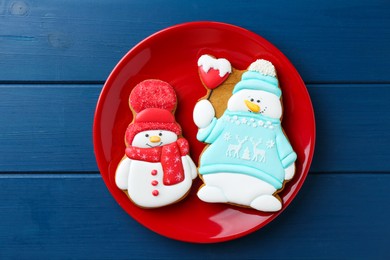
<point>54,60</point>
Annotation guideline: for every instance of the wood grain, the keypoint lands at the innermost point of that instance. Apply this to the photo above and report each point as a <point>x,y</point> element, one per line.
<point>54,59</point>
<point>327,41</point>
<point>74,216</point>
<point>49,127</point>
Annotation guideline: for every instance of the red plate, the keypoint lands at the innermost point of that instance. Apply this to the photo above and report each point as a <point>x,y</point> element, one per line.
<point>171,55</point>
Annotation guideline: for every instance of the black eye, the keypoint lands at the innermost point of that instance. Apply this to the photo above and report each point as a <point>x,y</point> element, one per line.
<point>252,100</point>
<point>160,134</point>
<point>258,101</point>
<point>146,135</point>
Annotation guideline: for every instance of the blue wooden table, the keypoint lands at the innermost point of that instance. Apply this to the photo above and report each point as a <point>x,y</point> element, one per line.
<point>54,59</point>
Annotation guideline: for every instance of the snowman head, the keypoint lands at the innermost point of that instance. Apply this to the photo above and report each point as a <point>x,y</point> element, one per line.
<point>154,124</point>
<point>258,91</point>
<point>154,138</point>
<point>256,102</point>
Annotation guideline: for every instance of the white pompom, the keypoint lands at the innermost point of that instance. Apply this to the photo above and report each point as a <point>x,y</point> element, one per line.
<point>264,67</point>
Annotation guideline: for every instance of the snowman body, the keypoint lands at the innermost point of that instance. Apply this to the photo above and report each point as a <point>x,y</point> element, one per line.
<point>156,170</point>
<point>144,179</point>
<point>249,157</point>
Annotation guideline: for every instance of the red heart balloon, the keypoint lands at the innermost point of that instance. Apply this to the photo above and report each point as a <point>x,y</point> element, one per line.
<point>211,78</point>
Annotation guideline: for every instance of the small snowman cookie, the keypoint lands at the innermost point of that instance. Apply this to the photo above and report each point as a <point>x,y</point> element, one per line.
<point>157,169</point>
<point>249,157</point>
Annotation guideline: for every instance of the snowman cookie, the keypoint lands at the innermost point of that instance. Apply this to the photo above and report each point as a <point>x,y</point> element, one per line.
<point>249,158</point>
<point>156,170</point>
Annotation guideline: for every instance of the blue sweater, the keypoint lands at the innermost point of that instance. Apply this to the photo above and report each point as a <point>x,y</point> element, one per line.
<point>246,143</point>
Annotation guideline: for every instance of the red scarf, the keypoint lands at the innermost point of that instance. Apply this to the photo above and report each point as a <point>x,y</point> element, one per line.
<point>168,155</point>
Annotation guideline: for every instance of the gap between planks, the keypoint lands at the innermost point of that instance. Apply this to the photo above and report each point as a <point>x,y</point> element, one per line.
<point>94,175</point>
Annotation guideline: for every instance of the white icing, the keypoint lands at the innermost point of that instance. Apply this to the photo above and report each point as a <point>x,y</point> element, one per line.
<point>259,155</point>
<point>237,120</point>
<point>143,139</point>
<point>136,176</point>
<point>191,166</point>
<point>223,187</point>
<point>212,194</point>
<point>239,187</point>
<point>203,113</point>
<point>140,188</point>
<point>207,62</point>
<point>266,203</point>
<point>264,67</point>
<point>234,149</point>
<point>270,104</point>
<point>121,175</point>
<point>289,172</point>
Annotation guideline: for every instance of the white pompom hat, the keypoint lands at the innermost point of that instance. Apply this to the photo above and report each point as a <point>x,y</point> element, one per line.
<point>261,75</point>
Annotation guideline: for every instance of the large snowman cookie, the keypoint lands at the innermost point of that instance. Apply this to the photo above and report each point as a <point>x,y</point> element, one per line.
<point>249,157</point>
<point>156,170</point>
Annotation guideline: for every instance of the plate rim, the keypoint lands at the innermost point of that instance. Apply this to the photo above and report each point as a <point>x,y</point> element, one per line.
<point>116,70</point>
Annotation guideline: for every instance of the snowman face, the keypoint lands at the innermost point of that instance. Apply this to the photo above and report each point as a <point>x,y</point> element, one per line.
<point>256,101</point>
<point>153,138</point>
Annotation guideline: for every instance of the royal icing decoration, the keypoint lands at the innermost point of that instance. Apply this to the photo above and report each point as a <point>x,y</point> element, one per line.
<point>249,157</point>
<point>157,169</point>
<point>168,155</point>
<point>213,71</point>
<point>264,67</point>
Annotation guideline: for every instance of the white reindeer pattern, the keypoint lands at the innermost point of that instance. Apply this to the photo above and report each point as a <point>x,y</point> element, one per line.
<point>258,154</point>
<point>234,149</point>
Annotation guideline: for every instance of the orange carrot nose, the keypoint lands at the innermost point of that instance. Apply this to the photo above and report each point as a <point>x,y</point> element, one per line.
<point>252,107</point>
<point>154,139</point>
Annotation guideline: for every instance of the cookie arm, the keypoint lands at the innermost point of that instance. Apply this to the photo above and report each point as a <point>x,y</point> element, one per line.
<point>289,172</point>
<point>285,151</point>
<point>210,134</point>
<point>122,173</point>
<point>203,113</point>
<point>186,160</point>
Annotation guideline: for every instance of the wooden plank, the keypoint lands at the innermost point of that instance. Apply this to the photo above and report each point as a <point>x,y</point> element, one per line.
<point>334,216</point>
<point>353,130</point>
<point>328,41</point>
<point>49,127</point>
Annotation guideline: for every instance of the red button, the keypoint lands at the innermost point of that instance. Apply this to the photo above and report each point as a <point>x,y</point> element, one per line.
<point>154,183</point>
<point>155,193</point>
<point>154,172</point>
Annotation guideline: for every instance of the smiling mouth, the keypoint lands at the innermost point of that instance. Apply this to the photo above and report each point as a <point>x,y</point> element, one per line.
<point>260,112</point>
<point>151,146</point>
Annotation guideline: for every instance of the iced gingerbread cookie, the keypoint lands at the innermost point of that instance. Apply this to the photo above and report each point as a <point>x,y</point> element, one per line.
<point>156,170</point>
<point>249,158</point>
